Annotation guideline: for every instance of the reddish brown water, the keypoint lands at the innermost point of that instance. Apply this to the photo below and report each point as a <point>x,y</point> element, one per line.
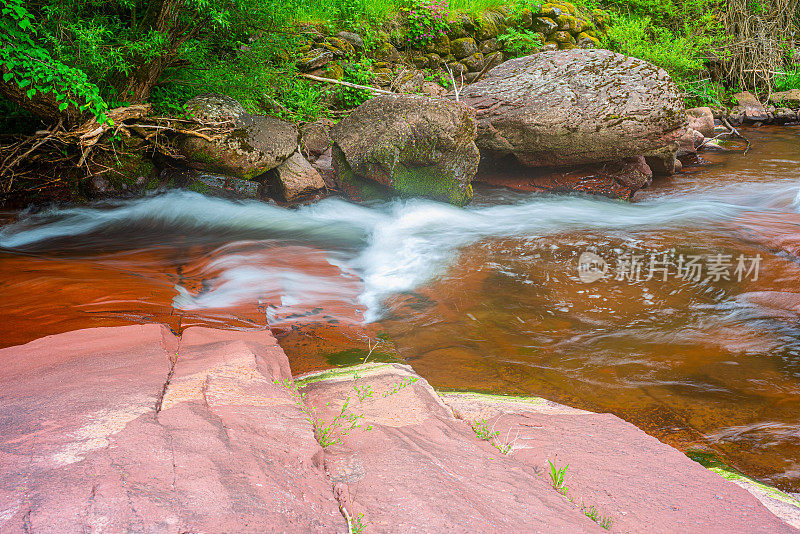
<point>488,298</point>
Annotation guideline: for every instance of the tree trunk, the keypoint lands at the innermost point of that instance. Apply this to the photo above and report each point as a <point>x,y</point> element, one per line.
<point>161,16</point>
<point>43,105</point>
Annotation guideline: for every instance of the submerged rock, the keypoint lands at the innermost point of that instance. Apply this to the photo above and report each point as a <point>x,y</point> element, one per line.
<point>408,144</point>
<point>574,107</point>
<point>257,143</point>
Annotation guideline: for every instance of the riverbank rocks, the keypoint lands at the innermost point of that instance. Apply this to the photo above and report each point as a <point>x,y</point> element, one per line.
<point>294,178</point>
<point>789,99</point>
<point>702,120</point>
<point>749,108</point>
<point>407,144</point>
<point>574,107</point>
<point>256,144</point>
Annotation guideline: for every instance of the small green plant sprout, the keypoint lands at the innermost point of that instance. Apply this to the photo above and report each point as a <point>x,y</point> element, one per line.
<point>483,432</point>
<point>363,392</point>
<point>357,524</point>
<point>342,423</point>
<point>593,514</point>
<point>557,475</point>
<point>397,386</point>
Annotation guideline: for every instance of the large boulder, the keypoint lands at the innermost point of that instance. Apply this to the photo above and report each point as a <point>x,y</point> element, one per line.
<point>575,106</point>
<point>256,144</point>
<point>410,144</point>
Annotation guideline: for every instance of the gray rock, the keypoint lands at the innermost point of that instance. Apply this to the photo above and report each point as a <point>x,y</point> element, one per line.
<point>352,38</point>
<point>316,58</point>
<point>408,144</point>
<point>749,108</point>
<point>575,106</point>
<point>294,178</point>
<point>315,138</point>
<point>257,143</point>
<point>213,107</point>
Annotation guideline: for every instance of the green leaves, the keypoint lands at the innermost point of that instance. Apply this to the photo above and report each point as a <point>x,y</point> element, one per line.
<point>31,66</point>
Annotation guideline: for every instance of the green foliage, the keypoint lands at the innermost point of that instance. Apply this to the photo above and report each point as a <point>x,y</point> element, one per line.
<point>482,430</point>
<point>592,513</point>
<point>788,80</point>
<point>361,74</point>
<point>557,475</point>
<point>427,19</point>
<point>520,42</point>
<point>28,64</point>
<point>704,92</point>
<point>679,53</point>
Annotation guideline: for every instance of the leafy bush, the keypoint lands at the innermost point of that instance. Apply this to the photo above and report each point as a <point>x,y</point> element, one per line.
<point>520,42</point>
<point>427,19</point>
<point>361,74</point>
<point>29,65</point>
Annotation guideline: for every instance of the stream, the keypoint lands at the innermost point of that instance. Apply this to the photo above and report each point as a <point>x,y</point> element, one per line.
<point>678,312</point>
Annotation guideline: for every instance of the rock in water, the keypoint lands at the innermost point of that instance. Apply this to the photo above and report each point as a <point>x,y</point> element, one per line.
<point>295,178</point>
<point>257,143</point>
<point>575,106</point>
<point>410,144</point>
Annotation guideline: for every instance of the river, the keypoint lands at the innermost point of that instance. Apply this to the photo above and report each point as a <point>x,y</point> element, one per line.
<point>682,320</point>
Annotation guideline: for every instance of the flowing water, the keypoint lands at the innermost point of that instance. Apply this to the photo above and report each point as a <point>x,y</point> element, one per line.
<point>684,319</point>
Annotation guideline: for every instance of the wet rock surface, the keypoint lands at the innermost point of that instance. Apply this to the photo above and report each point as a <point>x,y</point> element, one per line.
<point>135,429</point>
<point>407,144</point>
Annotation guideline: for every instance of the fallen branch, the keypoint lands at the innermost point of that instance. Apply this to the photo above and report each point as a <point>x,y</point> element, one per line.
<point>737,134</point>
<point>348,84</point>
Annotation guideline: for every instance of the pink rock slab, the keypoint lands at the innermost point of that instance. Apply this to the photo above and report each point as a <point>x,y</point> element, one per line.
<point>83,448</point>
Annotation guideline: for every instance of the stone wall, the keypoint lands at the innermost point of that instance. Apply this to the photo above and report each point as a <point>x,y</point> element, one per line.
<point>472,44</point>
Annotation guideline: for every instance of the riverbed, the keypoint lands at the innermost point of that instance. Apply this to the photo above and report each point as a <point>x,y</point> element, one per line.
<point>677,312</point>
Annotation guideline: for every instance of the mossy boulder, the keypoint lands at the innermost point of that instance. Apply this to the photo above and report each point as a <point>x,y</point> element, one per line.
<point>474,63</point>
<point>340,47</point>
<point>315,59</point>
<point>544,25</point>
<point>408,145</point>
<point>461,25</point>
<point>441,44</point>
<point>256,144</point>
<point>489,45</point>
<point>333,71</point>
<point>576,106</point>
<point>489,24</point>
<point>463,47</point>
<point>563,38</point>
<point>568,23</point>
<point>434,61</point>
<point>584,40</point>
<point>386,52</point>
<point>789,99</point>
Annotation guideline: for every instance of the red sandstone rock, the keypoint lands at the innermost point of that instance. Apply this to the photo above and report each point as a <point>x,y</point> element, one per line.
<point>420,470</point>
<point>84,450</point>
<point>639,482</point>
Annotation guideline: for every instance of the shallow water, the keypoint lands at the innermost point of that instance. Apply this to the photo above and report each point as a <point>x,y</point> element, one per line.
<point>487,298</point>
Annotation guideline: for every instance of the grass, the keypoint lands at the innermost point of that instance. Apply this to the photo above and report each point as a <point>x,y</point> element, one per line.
<point>557,475</point>
<point>593,514</point>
